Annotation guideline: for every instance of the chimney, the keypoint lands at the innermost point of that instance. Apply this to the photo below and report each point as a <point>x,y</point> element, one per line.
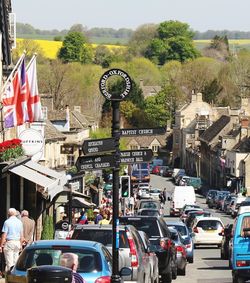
<point>244,122</point>
<point>199,97</point>
<point>193,97</point>
<point>67,125</point>
<point>141,84</point>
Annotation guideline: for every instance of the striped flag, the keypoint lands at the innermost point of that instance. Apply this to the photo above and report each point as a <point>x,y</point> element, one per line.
<point>15,98</point>
<point>34,103</point>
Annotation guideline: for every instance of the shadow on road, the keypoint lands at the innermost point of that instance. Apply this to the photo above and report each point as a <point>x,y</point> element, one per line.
<point>214,268</point>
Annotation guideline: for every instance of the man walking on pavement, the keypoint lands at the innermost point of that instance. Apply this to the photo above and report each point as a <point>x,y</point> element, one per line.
<point>28,227</point>
<point>12,238</point>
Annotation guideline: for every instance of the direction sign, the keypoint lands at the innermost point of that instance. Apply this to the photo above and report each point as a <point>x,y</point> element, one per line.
<point>98,145</point>
<point>95,162</point>
<point>136,156</point>
<point>143,132</point>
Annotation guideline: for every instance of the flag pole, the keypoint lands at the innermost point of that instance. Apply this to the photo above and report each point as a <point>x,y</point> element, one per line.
<point>31,61</point>
<point>12,73</point>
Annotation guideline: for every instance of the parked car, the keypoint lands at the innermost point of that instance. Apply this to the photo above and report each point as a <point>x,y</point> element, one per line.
<point>187,237</point>
<point>153,259</point>
<point>180,251</point>
<point>225,243</point>
<point>168,173</point>
<point>206,231</point>
<point>131,250</point>
<point>160,240</point>
<point>230,206</point>
<point>185,212</point>
<point>156,170</point>
<point>148,212</point>
<point>211,199</point>
<point>154,193</point>
<point>219,198</point>
<point>240,249</point>
<point>95,261</point>
<point>235,206</point>
<point>190,181</point>
<point>210,194</point>
<point>163,170</point>
<point>227,201</point>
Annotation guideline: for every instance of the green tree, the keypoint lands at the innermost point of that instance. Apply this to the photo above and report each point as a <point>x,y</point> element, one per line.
<point>75,49</point>
<point>173,42</point>
<point>103,56</point>
<point>48,228</point>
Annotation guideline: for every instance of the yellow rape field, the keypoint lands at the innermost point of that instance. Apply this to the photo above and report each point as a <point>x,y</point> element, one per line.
<point>50,48</point>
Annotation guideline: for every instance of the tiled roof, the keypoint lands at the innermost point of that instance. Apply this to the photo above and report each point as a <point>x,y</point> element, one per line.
<point>215,129</point>
<point>150,90</point>
<point>51,133</point>
<point>146,141</point>
<point>243,146</point>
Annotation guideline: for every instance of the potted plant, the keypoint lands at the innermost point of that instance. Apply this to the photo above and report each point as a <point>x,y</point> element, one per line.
<point>10,149</point>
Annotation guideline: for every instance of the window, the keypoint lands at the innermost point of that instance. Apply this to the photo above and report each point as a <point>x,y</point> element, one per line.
<point>134,147</point>
<point>70,160</point>
<point>155,148</point>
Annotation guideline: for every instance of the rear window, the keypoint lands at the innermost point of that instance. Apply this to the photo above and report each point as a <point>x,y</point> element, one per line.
<point>89,261</point>
<point>181,229</point>
<point>209,224</point>
<point>152,205</point>
<point>149,226</point>
<point>101,236</point>
<point>149,212</point>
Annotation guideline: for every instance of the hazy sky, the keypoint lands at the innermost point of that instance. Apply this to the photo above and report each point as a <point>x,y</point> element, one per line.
<point>201,15</point>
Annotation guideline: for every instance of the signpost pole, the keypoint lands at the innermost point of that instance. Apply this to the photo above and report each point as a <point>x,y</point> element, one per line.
<point>115,278</point>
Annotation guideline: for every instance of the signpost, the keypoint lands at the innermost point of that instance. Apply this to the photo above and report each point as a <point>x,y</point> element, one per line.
<point>143,132</point>
<point>95,162</point>
<point>136,156</point>
<point>98,145</point>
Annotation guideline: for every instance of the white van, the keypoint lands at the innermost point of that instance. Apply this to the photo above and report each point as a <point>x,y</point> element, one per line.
<point>181,195</point>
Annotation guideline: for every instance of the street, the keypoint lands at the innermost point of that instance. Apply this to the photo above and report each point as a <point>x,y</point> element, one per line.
<point>207,266</point>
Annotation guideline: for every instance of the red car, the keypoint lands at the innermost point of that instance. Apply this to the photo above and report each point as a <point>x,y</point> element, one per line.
<point>156,170</point>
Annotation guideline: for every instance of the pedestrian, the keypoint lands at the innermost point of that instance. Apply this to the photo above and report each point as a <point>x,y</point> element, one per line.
<point>70,260</point>
<point>161,197</point>
<point>131,203</point>
<point>165,194</point>
<point>104,220</point>
<point>28,228</point>
<point>98,216</point>
<point>83,218</point>
<point>12,239</point>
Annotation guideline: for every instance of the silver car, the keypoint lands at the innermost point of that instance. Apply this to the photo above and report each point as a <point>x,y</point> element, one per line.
<point>131,249</point>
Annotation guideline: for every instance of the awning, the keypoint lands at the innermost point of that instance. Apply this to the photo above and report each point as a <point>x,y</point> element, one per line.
<point>78,202</point>
<point>50,181</point>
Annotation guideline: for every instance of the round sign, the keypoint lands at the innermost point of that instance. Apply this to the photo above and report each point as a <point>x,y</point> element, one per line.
<point>32,141</point>
<point>103,84</point>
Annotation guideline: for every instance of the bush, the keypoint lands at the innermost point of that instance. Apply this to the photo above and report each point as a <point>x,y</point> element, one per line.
<point>48,228</point>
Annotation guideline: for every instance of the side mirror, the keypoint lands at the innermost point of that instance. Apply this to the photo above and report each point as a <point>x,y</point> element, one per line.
<point>125,271</point>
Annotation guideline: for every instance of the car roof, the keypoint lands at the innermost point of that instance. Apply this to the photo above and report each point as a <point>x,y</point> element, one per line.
<point>179,223</point>
<point>98,227</point>
<point>68,243</point>
<point>208,218</point>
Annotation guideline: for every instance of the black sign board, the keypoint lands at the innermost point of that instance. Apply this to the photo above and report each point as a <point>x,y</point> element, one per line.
<point>143,132</point>
<point>99,145</point>
<point>136,156</point>
<point>95,162</point>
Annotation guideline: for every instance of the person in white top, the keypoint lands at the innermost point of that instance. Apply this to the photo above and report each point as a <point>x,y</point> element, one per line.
<point>132,203</point>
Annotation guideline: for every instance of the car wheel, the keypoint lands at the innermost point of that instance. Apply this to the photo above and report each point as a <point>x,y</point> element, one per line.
<point>237,279</point>
<point>191,260</point>
<point>182,271</point>
<point>166,278</point>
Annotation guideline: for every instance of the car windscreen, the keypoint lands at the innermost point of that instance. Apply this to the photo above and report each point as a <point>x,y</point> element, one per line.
<point>180,228</point>
<point>89,261</point>
<point>149,212</point>
<point>149,204</point>
<point>149,226</point>
<point>209,224</point>
<point>101,236</point>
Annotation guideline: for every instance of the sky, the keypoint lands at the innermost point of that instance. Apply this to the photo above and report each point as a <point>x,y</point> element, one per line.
<point>201,15</point>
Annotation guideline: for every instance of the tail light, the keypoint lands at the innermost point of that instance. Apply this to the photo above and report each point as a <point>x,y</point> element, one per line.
<point>103,279</point>
<point>195,230</point>
<point>133,252</point>
<point>188,246</point>
<point>165,244</point>
<point>242,263</point>
<point>180,249</point>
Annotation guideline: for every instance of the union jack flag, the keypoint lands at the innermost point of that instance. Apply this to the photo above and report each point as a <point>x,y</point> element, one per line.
<point>15,99</point>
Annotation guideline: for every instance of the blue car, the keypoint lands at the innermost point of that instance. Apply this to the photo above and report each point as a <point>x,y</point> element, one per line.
<point>185,234</point>
<point>95,261</point>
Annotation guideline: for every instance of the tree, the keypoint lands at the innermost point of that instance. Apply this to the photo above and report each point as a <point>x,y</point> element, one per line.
<point>103,56</point>
<point>173,42</point>
<point>75,49</point>
<point>141,38</point>
<point>78,28</point>
<point>48,228</point>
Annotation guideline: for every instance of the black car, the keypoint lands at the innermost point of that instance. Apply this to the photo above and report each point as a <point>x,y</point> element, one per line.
<point>160,240</point>
<point>211,198</point>
<point>193,214</point>
<point>225,244</point>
